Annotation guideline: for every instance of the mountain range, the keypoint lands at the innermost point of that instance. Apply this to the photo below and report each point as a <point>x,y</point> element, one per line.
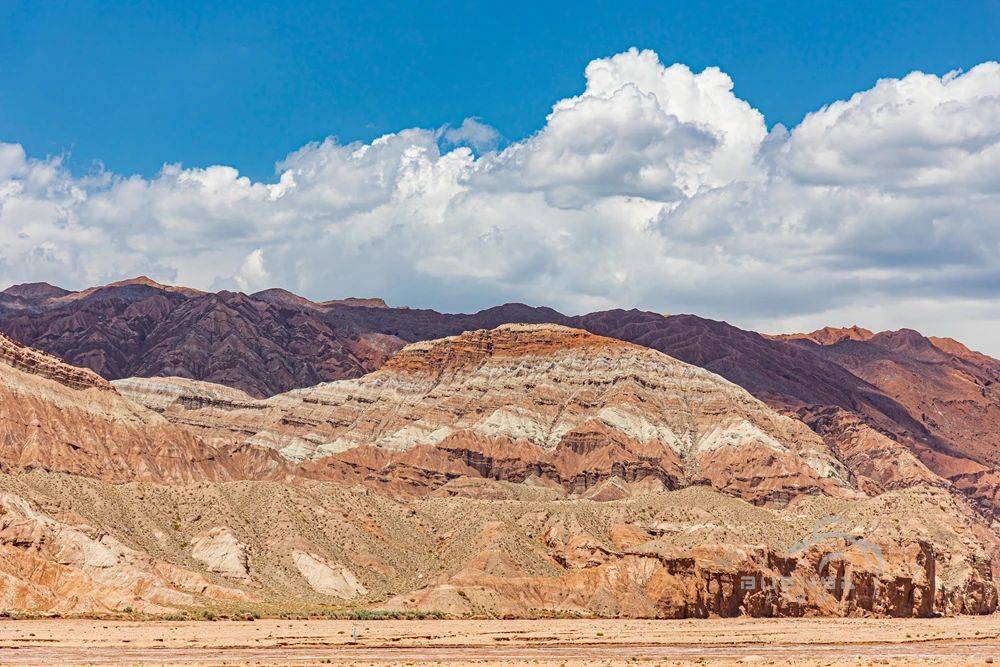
<point>166,448</point>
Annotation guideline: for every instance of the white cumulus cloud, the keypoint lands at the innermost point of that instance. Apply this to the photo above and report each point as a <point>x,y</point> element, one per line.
<point>655,187</point>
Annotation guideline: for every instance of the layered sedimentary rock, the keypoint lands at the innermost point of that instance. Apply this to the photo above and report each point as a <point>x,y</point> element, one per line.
<point>273,341</point>
<point>60,418</point>
<point>877,462</point>
<point>519,403</point>
<point>34,362</point>
<point>526,469</point>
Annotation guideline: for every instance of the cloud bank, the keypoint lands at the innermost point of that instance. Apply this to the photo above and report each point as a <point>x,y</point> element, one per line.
<point>655,187</point>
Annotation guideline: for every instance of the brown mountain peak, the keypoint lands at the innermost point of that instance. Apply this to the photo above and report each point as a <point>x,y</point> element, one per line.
<point>357,302</point>
<point>830,335</point>
<point>280,296</point>
<point>472,348</point>
<point>146,281</point>
<point>35,291</point>
<point>138,280</point>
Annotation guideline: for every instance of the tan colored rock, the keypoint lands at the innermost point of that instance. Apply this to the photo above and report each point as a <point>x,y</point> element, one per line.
<point>664,554</point>
<point>328,578</point>
<point>47,565</point>
<point>221,552</point>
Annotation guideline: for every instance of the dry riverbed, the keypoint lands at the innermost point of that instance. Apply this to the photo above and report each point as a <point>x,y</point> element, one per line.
<point>947,641</point>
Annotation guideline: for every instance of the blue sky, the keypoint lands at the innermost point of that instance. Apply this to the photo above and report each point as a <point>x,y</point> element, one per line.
<point>136,85</point>
<point>640,163</point>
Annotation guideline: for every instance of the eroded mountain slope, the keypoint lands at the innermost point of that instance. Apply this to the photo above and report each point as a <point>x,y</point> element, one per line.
<point>274,341</point>
<point>60,418</point>
<point>72,545</point>
<point>951,390</point>
<point>588,434</point>
<point>539,403</point>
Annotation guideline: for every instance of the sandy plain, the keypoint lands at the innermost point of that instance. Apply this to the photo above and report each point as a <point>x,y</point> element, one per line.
<point>569,643</point>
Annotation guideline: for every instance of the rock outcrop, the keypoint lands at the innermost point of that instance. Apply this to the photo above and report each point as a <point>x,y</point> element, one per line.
<point>951,391</point>
<point>38,363</point>
<point>55,566</point>
<point>71,545</point>
<point>222,553</point>
<point>274,341</point>
<point>59,418</point>
<point>326,578</point>
<point>521,466</point>
<point>515,403</point>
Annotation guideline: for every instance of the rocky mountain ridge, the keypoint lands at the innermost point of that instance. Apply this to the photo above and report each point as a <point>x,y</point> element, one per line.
<point>530,467</point>
<point>273,341</point>
<point>59,418</point>
<point>542,402</point>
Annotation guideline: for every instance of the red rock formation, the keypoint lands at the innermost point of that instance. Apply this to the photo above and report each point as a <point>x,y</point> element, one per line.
<point>70,544</point>
<point>512,414</point>
<point>264,343</point>
<point>515,403</point>
<point>60,418</point>
<point>921,394</point>
<point>829,335</point>
<point>35,291</point>
<point>949,390</point>
<point>38,363</point>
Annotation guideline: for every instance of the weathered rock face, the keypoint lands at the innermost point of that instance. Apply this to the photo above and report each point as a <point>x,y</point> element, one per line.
<point>950,388</point>
<point>326,578</point>
<point>263,343</point>
<point>222,553</point>
<point>274,341</point>
<point>72,544</point>
<point>50,565</point>
<point>496,445</point>
<point>950,391</point>
<point>702,583</point>
<point>515,403</point>
<point>877,461</point>
<point>57,417</point>
<point>32,361</point>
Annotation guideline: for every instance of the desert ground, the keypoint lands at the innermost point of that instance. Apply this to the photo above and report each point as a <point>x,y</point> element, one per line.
<point>819,641</point>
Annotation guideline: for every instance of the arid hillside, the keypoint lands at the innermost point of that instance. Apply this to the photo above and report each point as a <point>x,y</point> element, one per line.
<point>525,469</point>
<point>543,404</point>
<point>71,544</point>
<point>57,417</point>
<point>953,392</point>
<point>274,341</point>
